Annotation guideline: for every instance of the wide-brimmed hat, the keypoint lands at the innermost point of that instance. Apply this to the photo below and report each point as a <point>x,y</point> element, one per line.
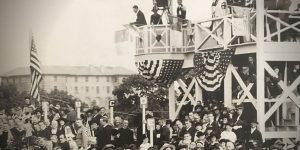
<point>62,119</point>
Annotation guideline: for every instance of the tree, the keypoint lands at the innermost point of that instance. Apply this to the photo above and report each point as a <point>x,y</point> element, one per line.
<point>10,97</point>
<point>60,97</point>
<point>135,86</point>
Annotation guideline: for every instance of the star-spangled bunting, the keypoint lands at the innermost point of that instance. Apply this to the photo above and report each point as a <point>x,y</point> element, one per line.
<point>160,71</point>
<point>210,68</point>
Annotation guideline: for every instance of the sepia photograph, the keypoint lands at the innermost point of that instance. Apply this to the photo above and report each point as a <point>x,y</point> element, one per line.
<point>149,74</point>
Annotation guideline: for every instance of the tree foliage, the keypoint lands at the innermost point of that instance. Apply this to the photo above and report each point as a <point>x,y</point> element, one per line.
<point>129,92</point>
<point>10,97</point>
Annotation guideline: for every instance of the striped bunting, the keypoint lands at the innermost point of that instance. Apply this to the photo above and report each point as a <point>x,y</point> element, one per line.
<point>210,68</point>
<point>160,71</point>
<point>36,73</point>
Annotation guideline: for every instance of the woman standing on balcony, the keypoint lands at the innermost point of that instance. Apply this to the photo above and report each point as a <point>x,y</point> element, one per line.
<point>219,9</point>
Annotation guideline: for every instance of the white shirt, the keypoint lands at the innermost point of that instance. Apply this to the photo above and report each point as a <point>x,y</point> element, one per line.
<point>221,8</point>
<point>145,146</point>
<point>229,135</point>
<point>252,130</point>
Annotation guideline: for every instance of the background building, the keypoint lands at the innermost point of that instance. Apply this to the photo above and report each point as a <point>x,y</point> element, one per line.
<point>88,83</point>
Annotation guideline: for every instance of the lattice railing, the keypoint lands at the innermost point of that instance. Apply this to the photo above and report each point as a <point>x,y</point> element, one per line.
<point>282,26</point>
<point>220,35</point>
<point>164,39</point>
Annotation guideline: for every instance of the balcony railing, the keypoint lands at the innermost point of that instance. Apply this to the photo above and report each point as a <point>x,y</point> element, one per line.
<point>220,34</point>
<point>282,26</point>
<point>164,39</point>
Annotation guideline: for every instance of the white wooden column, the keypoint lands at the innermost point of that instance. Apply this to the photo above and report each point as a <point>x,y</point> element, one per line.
<point>260,66</point>
<point>226,32</point>
<point>228,88</point>
<point>172,103</point>
<point>198,92</point>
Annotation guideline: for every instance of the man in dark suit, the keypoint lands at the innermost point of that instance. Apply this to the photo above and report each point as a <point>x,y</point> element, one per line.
<point>165,132</point>
<point>155,18</point>
<point>140,20</point>
<point>213,123</point>
<point>190,128</point>
<point>125,135</point>
<point>253,135</point>
<point>103,135</point>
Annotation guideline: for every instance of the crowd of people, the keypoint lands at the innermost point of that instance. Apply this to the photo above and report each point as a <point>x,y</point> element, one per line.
<point>208,126</point>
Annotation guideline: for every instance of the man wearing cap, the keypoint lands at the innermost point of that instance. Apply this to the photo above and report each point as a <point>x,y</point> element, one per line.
<point>253,134</point>
<point>140,20</point>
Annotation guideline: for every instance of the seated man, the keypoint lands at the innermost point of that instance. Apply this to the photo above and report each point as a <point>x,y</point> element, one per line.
<point>140,20</point>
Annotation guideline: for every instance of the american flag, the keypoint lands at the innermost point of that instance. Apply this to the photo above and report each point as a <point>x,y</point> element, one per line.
<point>210,67</point>
<point>160,71</point>
<point>35,70</point>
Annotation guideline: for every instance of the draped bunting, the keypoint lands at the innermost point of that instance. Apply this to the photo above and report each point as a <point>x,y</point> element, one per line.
<point>211,66</point>
<point>160,71</point>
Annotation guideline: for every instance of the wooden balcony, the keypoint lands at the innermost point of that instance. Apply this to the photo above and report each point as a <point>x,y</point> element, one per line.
<point>159,39</point>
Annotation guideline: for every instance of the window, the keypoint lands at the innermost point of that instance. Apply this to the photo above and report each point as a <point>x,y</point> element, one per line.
<point>97,79</point>
<point>115,79</point>
<point>86,79</point>
<point>55,78</point>
<point>75,79</point>
<point>87,89</point>
<point>107,79</point>
<point>107,89</point>
<point>76,90</point>
<point>97,89</point>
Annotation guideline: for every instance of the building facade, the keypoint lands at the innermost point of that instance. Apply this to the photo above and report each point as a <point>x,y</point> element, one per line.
<point>88,83</point>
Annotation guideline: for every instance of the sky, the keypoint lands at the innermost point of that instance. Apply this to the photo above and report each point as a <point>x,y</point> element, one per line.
<point>73,32</point>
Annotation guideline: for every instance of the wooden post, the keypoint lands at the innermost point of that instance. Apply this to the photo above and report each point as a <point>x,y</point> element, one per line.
<point>144,118</point>
<point>226,32</point>
<point>172,103</point>
<point>45,109</point>
<point>77,106</point>
<point>228,88</point>
<point>260,67</point>
<point>151,136</point>
<point>198,91</point>
<point>111,106</point>
<point>143,102</point>
<point>151,126</point>
<point>111,115</point>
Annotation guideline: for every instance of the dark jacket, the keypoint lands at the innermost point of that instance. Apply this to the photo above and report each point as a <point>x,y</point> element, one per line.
<point>156,19</point>
<point>140,20</point>
<point>126,136</point>
<point>255,136</point>
<point>103,136</point>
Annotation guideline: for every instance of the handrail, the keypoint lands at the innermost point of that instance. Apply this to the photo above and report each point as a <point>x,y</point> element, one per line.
<point>214,19</point>
<point>283,11</point>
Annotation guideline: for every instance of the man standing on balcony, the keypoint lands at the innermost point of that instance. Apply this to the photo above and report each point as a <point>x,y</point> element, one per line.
<point>155,17</point>
<point>219,9</point>
<point>140,20</point>
<point>181,10</point>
